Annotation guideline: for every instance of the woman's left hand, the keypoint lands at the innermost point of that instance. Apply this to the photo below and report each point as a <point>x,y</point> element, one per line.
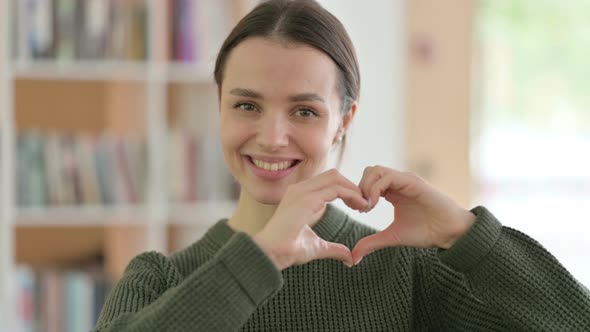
<point>423,216</point>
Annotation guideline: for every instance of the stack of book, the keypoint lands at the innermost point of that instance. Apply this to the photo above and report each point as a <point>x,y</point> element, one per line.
<point>67,169</point>
<point>73,29</point>
<point>59,300</point>
<point>67,30</point>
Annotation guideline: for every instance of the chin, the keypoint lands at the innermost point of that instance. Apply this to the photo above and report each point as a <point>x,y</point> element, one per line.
<point>268,197</point>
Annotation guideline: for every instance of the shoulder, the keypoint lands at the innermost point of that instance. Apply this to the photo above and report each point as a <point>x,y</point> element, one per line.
<point>153,266</point>
<point>190,258</point>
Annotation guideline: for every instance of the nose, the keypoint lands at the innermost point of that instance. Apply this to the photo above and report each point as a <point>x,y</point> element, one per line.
<point>272,132</point>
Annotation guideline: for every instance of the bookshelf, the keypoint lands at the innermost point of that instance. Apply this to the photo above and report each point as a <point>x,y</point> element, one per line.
<point>149,87</point>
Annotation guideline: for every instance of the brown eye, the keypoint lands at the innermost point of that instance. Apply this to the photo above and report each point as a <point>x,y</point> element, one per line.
<point>306,113</point>
<point>245,107</point>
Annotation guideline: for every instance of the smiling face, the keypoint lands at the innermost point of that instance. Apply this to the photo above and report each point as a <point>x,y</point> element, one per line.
<point>279,115</point>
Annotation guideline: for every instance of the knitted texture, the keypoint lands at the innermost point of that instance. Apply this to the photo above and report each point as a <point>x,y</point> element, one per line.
<point>493,279</point>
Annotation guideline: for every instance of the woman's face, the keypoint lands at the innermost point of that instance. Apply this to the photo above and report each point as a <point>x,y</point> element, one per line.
<point>279,115</point>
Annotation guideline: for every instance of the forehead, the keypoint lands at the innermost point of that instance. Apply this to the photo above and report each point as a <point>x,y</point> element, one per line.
<point>278,68</point>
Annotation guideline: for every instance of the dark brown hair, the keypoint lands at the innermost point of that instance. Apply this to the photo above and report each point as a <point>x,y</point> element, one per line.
<point>305,22</point>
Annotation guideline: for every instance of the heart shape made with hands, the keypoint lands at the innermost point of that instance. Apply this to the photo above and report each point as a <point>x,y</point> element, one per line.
<point>424,217</point>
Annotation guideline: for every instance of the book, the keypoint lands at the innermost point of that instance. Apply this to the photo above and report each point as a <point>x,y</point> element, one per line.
<point>79,294</point>
<point>93,18</point>
<point>66,30</point>
<point>25,301</point>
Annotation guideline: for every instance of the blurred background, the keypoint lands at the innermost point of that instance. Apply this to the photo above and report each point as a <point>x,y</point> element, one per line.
<point>108,129</point>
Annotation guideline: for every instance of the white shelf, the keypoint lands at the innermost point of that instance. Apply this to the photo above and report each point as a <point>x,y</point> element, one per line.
<point>81,215</point>
<point>202,214</point>
<point>104,70</point>
<point>8,292</point>
<point>81,70</point>
<point>189,73</point>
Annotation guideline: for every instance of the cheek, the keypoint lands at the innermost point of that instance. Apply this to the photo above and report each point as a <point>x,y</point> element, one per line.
<point>317,144</point>
<point>232,134</point>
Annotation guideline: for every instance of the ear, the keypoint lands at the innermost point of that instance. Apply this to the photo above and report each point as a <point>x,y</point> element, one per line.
<point>348,117</point>
<point>347,120</point>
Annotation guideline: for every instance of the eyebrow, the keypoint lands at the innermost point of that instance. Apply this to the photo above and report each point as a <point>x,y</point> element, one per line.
<point>295,98</point>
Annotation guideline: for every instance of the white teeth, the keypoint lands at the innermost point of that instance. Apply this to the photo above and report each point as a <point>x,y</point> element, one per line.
<point>272,166</point>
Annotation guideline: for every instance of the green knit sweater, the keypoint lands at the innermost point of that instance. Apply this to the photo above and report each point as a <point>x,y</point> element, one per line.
<point>493,279</point>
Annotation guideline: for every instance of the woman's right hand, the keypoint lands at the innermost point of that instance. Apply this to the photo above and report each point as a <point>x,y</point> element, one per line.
<point>288,239</point>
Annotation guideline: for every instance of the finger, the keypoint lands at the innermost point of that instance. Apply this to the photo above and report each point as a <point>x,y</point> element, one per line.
<point>336,251</point>
<point>379,188</point>
<point>395,182</point>
<point>370,176</point>
<point>351,198</point>
<point>315,202</point>
<point>373,242</point>
<point>327,179</point>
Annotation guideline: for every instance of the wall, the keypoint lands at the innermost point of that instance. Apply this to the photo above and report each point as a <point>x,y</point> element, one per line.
<point>377,133</point>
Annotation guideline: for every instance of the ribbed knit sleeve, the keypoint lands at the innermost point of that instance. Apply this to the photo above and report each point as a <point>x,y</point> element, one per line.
<point>218,296</point>
<point>520,283</point>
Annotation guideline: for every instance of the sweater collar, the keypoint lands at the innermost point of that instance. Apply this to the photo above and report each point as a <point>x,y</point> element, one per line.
<point>328,227</point>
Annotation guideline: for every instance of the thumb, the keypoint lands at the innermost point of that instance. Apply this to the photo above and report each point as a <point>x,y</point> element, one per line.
<point>336,251</point>
<point>373,242</point>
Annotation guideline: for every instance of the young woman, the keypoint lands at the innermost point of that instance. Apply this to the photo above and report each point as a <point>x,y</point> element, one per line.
<point>288,84</point>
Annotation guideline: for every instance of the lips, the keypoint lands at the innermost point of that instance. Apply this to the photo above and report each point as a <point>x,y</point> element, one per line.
<point>271,168</point>
<point>272,163</point>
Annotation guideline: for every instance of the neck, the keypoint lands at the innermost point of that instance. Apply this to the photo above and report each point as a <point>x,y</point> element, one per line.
<point>250,215</point>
